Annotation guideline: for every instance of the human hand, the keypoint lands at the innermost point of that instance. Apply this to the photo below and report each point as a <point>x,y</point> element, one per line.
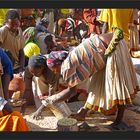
<point>47,100</point>
<point>37,115</point>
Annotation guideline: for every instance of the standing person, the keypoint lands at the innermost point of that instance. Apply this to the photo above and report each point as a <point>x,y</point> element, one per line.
<point>110,87</point>
<point>7,73</point>
<point>116,18</point>
<point>89,16</point>
<point>11,39</point>
<point>31,44</point>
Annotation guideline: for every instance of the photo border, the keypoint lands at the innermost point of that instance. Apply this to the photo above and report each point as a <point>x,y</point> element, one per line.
<point>70,4</point>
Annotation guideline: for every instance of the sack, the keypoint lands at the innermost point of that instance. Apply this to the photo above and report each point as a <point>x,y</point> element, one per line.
<point>17,84</point>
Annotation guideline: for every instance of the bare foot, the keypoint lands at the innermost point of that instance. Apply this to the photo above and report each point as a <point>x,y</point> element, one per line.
<point>80,116</point>
<point>122,126</point>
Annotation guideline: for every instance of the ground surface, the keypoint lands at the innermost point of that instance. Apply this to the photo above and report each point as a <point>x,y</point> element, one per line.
<point>96,121</point>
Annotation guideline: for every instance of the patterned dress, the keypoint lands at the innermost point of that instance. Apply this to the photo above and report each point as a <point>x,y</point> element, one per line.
<point>110,83</point>
<point>83,61</point>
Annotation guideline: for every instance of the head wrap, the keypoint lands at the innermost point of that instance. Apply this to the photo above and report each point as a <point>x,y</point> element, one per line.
<point>56,58</point>
<point>29,35</point>
<point>37,61</point>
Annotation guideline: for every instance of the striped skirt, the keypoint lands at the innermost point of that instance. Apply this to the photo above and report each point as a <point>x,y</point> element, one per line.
<point>115,84</point>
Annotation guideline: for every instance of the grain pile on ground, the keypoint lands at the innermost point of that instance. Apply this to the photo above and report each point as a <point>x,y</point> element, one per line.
<point>96,121</point>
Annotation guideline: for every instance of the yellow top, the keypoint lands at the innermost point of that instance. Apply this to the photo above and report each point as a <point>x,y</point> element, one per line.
<point>31,49</point>
<point>117,18</point>
<point>2,15</point>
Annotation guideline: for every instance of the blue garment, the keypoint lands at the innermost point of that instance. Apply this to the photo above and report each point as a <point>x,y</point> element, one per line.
<point>41,28</point>
<point>6,63</point>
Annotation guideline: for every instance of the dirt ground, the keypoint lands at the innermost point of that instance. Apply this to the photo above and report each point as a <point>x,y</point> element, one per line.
<point>96,121</point>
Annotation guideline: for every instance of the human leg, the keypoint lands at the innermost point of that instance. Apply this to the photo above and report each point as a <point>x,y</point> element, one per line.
<point>5,83</point>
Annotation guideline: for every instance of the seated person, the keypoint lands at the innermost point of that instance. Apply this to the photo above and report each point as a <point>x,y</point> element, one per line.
<point>11,120</point>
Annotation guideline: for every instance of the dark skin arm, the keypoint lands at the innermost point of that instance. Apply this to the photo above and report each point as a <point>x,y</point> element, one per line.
<point>105,27</point>
<point>28,83</point>
<point>61,96</point>
<point>5,82</point>
<point>21,60</point>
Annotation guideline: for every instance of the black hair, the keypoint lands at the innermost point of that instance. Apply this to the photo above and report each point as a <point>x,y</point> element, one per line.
<point>37,61</point>
<point>48,37</point>
<point>12,14</point>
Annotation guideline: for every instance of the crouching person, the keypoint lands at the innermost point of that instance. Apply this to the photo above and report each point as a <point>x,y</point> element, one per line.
<point>42,83</point>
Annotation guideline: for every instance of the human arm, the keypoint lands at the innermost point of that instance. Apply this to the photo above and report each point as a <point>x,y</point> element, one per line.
<point>105,27</point>
<point>21,60</point>
<point>61,96</point>
<point>28,83</point>
<point>4,105</point>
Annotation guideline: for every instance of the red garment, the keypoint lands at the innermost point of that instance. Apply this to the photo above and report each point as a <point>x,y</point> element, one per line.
<point>89,16</point>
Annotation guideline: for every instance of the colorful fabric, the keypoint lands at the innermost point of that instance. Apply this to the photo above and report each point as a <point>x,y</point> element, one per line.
<point>56,58</point>
<point>114,85</point>
<point>29,35</point>
<point>118,35</point>
<point>83,61</point>
<point>2,103</point>
<point>117,18</point>
<point>13,122</point>
<point>6,63</point>
<point>70,24</point>
<point>2,16</point>
<point>31,49</point>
